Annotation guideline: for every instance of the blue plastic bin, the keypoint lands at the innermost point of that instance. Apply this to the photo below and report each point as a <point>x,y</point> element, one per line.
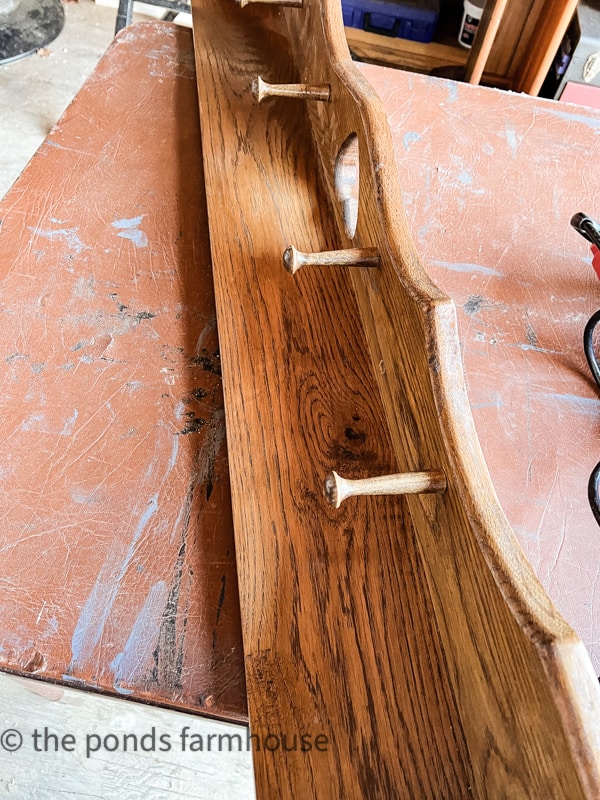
<point>407,19</point>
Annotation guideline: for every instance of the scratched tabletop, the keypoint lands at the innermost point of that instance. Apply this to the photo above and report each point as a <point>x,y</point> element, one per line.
<point>490,181</point>
<point>118,564</point>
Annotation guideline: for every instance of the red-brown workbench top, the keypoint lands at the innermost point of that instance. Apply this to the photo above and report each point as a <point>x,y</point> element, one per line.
<point>118,562</point>
<point>117,549</point>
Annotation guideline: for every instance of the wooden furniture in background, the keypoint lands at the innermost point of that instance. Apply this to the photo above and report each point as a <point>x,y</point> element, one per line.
<point>409,635</point>
<point>523,37</point>
<point>552,20</point>
<point>484,39</point>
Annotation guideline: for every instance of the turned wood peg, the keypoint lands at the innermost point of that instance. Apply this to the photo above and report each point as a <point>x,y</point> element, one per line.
<point>291,3</point>
<point>262,90</point>
<point>337,489</point>
<point>366,257</point>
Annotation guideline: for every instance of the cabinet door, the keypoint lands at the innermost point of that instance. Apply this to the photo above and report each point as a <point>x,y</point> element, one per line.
<point>527,40</point>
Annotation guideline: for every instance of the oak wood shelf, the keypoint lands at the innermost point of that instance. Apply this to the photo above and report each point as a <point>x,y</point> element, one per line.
<point>411,632</point>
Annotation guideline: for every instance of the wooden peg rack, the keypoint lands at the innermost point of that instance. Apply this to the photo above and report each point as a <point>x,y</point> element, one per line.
<point>408,632</point>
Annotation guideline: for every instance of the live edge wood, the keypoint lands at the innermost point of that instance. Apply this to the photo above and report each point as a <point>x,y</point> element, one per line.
<point>409,631</point>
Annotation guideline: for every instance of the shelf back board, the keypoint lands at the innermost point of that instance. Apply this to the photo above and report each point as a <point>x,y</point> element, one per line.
<point>409,633</point>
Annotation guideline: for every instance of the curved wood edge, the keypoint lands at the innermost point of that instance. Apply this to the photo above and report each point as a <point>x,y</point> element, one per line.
<point>565,663</point>
<point>533,608</point>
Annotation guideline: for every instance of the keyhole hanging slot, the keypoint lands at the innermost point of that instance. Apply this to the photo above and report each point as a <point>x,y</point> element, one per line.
<point>346,180</point>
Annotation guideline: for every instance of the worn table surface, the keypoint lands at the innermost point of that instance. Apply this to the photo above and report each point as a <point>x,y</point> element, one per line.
<point>118,564</point>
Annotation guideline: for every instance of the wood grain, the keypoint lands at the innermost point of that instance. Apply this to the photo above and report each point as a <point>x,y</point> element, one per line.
<point>318,592</point>
<point>484,40</point>
<point>513,50</point>
<point>527,39</point>
<point>404,53</point>
<point>500,607</point>
<point>436,627</point>
<point>552,20</point>
<point>518,25</point>
<point>475,181</point>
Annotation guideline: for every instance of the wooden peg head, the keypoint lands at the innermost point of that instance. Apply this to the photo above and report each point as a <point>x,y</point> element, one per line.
<point>259,89</point>
<point>333,489</point>
<point>292,259</point>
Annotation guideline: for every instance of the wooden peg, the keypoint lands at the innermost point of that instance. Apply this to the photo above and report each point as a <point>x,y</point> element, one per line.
<point>294,259</point>
<point>303,91</point>
<point>291,3</point>
<point>337,489</point>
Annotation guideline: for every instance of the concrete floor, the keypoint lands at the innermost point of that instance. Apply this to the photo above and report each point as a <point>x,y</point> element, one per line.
<point>58,743</point>
<point>34,92</point>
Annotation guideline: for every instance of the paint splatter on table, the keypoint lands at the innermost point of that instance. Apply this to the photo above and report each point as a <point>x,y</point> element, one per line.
<point>117,550</point>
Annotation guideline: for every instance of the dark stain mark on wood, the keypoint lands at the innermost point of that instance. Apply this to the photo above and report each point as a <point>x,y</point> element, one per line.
<point>209,362</point>
<point>532,337</point>
<point>170,649</point>
<point>350,433</point>
<point>220,602</point>
<point>137,316</point>
<point>473,305</point>
<point>206,700</point>
<point>195,394</point>
<point>168,654</point>
<point>221,599</point>
<point>193,424</point>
